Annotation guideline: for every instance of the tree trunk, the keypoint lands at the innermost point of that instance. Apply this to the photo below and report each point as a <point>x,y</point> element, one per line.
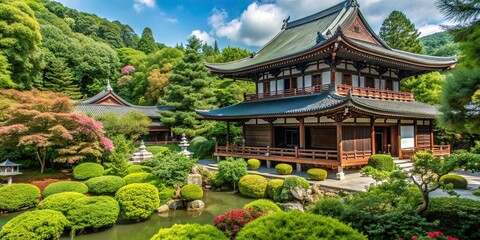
<point>425,203</point>
<point>41,159</point>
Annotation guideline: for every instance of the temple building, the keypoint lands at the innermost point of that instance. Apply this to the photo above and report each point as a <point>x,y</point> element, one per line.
<point>328,94</point>
<point>107,101</point>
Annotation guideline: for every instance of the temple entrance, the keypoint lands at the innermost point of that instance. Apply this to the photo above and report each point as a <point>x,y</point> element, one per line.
<point>379,142</point>
<point>384,140</point>
<point>287,137</point>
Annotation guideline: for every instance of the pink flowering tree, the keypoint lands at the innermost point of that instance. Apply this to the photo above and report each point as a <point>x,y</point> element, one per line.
<point>45,121</point>
<point>127,70</point>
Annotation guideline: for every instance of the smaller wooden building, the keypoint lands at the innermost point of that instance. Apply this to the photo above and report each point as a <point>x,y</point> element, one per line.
<point>107,101</point>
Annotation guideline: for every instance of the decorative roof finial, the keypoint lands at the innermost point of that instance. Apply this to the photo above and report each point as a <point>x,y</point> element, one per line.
<point>339,30</point>
<point>109,88</point>
<point>285,22</point>
<point>354,4</point>
<point>320,38</point>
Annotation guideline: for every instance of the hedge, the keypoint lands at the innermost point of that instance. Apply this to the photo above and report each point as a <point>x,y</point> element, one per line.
<point>253,164</point>
<point>263,206</point>
<point>382,162</point>
<point>59,201</point>
<point>274,187</point>
<point>476,192</point>
<point>456,180</point>
<point>191,192</point>
<point>138,168</point>
<point>254,186</point>
<point>166,195</point>
<point>157,149</point>
<point>38,225</point>
<point>65,186</point>
<point>283,169</point>
<point>317,174</point>
<point>105,184</point>
<point>140,177</point>
<point>297,225</point>
<point>87,170</point>
<point>192,231</point>
<point>137,200</point>
<point>18,195</point>
<point>201,147</point>
<point>458,217</point>
<point>93,212</point>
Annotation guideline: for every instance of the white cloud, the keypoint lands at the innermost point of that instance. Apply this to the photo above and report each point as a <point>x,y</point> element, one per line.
<point>204,36</point>
<point>171,20</point>
<point>426,30</point>
<point>139,5</point>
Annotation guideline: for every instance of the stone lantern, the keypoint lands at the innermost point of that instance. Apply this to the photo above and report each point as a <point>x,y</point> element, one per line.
<point>9,169</point>
<point>141,155</point>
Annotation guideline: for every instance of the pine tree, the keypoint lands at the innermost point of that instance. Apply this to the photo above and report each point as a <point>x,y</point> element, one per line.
<point>398,32</point>
<point>147,43</point>
<point>190,89</point>
<point>59,78</point>
<point>215,48</point>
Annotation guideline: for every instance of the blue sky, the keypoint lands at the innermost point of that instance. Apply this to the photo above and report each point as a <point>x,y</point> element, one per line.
<point>242,23</point>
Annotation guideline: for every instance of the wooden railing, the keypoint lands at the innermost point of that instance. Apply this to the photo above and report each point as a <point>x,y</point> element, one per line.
<point>437,150</point>
<point>356,155</point>
<point>375,93</point>
<point>294,153</point>
<point>289,92</point>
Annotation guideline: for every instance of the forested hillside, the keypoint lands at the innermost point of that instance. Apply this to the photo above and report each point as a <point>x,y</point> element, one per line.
<point>439,44</point>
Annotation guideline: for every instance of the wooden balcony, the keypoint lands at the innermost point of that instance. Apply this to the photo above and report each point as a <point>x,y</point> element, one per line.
<point>437,150</point>
<point>339,88</point>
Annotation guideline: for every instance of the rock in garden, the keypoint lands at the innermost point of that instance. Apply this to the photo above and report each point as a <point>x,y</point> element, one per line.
<point>163,208</point>
<point>196,205</point>
<point>175,204</point>
<point>292,206</point>
<point>299,193</point>
<point>195,179</point>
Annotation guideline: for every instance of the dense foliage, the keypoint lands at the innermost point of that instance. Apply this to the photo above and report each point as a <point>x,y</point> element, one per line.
<point>93,212</point>
<point>139,177</point>
<point>274,187</point>
<point>138,168</point>
<point>426,87</point>
<point>105,184</point>
<point>137,200</point>
<point>201,147</point>
<point>117,163</point>
<point>456,180</point>
<point>297,225</point>
<point>65,186</point>
<point>18,195</point>
<point>382,162</point>
<point>253,164</point>
<point>231,170</point>
<point>283,168</point>
<point>439,44</point>
<point>60,201</point>
<point>171,168</point>
<point>190,231</point>
<point>191,192</point>
<point>398,32</point>
<point>262,206</point>
<point>230,223</point>
<point>254,186</point>
<point>290,185</point>
<point>38,225</point>
<point>87,170</point>
<point>317,174</point>
<point>132,125</point>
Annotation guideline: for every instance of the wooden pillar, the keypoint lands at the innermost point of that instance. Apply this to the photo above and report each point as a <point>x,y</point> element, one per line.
<point>301,131</point>
<point>385,140</point>
<point>372,134</point>
<point>271,139</point>
<point>228,133</point>
<point>399,139</point>
<point>339,142</point>
<point>432,142</point>
<point>244,130</point>
<point>415,136</point>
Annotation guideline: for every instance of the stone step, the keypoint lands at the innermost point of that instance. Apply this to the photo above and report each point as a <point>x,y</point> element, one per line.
<point>402,161</point>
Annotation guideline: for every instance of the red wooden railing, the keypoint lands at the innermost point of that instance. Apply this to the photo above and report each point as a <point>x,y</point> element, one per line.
<point>295,153</point>
<point>437,150</point>
<point>289,92</point>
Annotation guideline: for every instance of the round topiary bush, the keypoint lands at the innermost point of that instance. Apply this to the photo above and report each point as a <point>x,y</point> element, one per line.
<point>93,212</point>
<point>263,206</point>
<point>18,195</point>
<point>140,177</point>
<point>105,184</point>
<point>191,192</point>
<point>64,186</point>
<point>253,164</point>
<point>254,186</point>
<point>201,147</point>
<point>274,187</point>
<point>137,200</point>
<point>60,201</point>
<point>456,180</point>
<point>87,170</point>
<point>283,169</point>
<point>39,225</point>
<point>192,231</point>
<point>476,192</point>
<point>306,226</point>
<point>382,162</point>
<point>138,168</point>
<point>317,174</point>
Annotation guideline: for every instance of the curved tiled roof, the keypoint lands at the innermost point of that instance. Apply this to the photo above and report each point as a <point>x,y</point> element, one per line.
<point>100,109</point>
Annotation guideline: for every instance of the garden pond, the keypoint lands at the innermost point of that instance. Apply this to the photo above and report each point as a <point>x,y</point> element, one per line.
<point>216,203</point>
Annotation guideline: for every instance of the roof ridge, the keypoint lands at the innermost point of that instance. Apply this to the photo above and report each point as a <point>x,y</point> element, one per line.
<point>321,14</point>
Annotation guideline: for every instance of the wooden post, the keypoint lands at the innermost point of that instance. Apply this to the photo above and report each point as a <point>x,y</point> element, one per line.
<point>339,142</point>
<point>399,139</point>
<point>372,134</point>
<point>272,134</point>
<point>432,142</point>
<point>302,132</point>
<point>228,133</point>
<point>415,136</point>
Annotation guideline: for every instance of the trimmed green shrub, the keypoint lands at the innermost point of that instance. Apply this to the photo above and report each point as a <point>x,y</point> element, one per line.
<point>201,147</point>
<point>105,184</point>
<point>191,192</point>
<point>166,195</point>
<point>18,195</point>
<point>253,164</point>
<point>328,206</point>
<point>254,186</point>
<point>283,169</point>
<point>216,181</point>
<point>456,180</point>
<point>138,200</point>
<point>93,212</point>
<point>59,201</point>
<point>87,170</point>
<point>295,181</point>
<point>138,168</point>
<point>140,177</point>
<point>64,186</point>
<point>274,187</point>
<point>476,192</point>
<point>382,162</point>
<point>38,225</point>
<point>459,217</point>
<point>192,231</point>
<point>263,206</point>
<point>297,225</point>
<point>317,174</point>
<point>157,149</point>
